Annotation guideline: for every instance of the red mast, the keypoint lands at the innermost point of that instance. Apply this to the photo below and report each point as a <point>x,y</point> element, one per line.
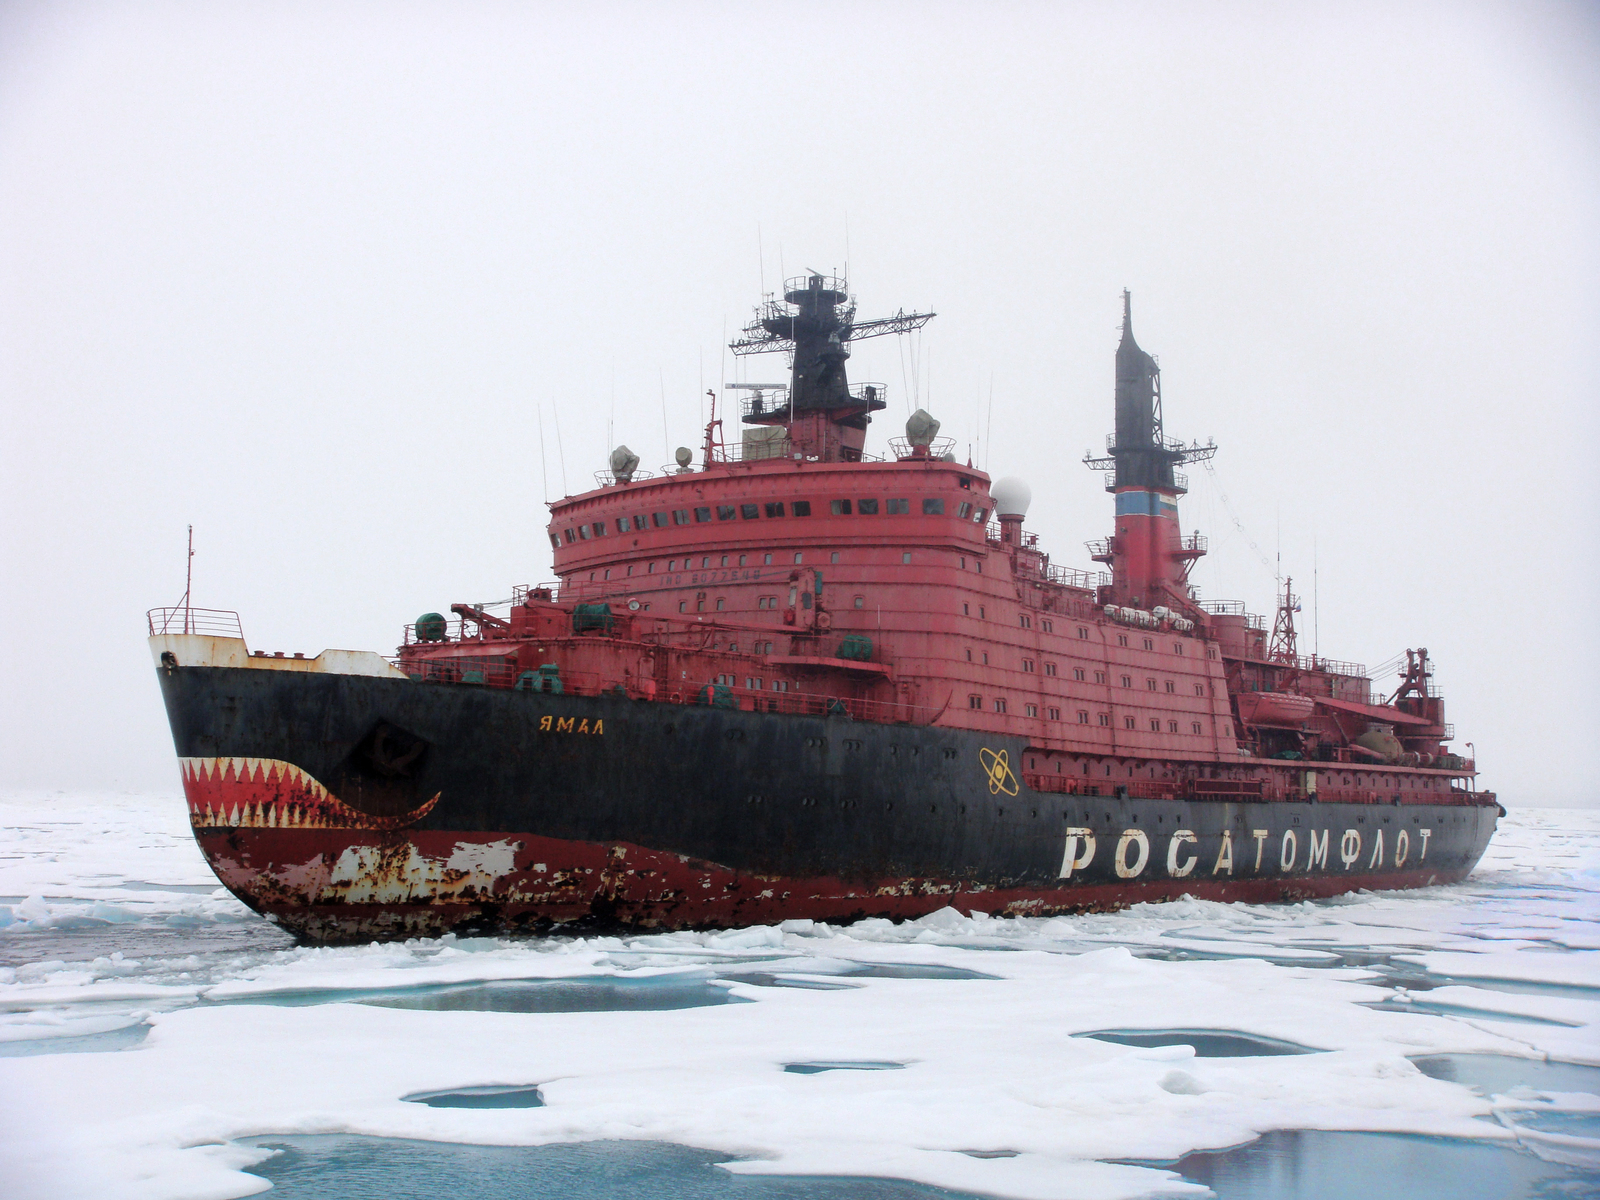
<point>1148,555</point>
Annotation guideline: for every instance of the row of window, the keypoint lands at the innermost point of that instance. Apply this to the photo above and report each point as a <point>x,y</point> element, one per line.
<point>723,560</point>
<point>932,506</point>
<point>1052,713</point>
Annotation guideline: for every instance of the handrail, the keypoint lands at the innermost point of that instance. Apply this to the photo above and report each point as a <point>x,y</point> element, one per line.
<point>212,622</point>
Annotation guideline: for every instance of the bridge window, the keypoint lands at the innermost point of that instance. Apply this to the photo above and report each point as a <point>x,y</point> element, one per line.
<point>622,525</point>
<point>974,701</point>
<point>555,541</point>
<point>933,506</point>
<point>1105,718</point>
<point>1000,706</point>
<point>801,508</point>
<point>839,508</point>
<point>775,510</point>
<point>724,560</point>
<point>964,510</point>
<point>660,520</point>
<point>902,508</point>
<point>1127,722</point>
<point>867,508</point>
<point>749,511</point>
<point>726,512</point>
<point>583,533</point>
<point>1032,710</point>
<point>1049,668</point>
<point>981,515</point>
<point>1083,716</point>
<point>680,516</point>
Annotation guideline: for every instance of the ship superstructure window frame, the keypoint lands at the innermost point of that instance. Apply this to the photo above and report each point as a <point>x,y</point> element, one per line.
<point>750,512</point>
<point>1050,669</point>
<point>1129,723</point>
<point>867,506</point>
<point>1000,705</point>
<point>1100,677</point>
<point>680,516</point>
<point>974,701</point>
<point>1149,644</point>
<point>1083,632</point>
<point>900,506</point>
<point>1195,726</point>
<point>860,601</point>
<point>1079,674</point>
<point>1028,666</point>
<point>1104,718</point>
<point>1055,715</point>
<point>1127,681</point>
<point>624,525</point>
<point>702,514</point>
<point>839,508</point>
<point>933,506</point>
<point>774,508</point>
<point>727,512</point>
<point>1031,710</point>
<point>1083,716</point>
<point>800,508</point>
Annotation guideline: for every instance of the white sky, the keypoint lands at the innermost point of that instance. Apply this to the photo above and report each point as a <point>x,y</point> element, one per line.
<point>307,275</point>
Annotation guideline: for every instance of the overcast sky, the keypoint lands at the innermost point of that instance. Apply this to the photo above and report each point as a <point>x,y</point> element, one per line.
<point>311,276</point>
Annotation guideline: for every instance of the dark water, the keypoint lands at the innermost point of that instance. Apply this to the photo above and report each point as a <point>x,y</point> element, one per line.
<point>356,1168</point>
<point>486,1096</point>
<point>1312,1165</point>
<point>816,1068</point>
<point>1492,1074</point>
<point>1207,1043</point>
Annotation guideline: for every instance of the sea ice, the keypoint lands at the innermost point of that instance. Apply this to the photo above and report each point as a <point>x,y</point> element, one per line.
<point>113,927</point>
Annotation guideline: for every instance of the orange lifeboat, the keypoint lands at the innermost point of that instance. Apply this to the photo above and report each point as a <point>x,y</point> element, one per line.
<point>1274,708</point>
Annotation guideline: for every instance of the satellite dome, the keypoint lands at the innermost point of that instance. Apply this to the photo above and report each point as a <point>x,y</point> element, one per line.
<point>1011,497</point>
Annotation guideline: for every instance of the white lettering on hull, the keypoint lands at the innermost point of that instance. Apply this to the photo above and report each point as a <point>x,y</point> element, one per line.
<point>1132,837</point>
<point>1174,868</point>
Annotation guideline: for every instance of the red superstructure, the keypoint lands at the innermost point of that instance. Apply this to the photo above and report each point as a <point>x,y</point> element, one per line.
<point>792,571</point>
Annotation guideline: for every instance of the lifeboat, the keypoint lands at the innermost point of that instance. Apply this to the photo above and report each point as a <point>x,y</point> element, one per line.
<point>1274,708</point>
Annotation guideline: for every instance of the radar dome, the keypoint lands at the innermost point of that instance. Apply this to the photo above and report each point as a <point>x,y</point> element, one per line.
<point>683,455</point>
<point>921,429</point>
<point>624,463</point>
<point>1011,497</point>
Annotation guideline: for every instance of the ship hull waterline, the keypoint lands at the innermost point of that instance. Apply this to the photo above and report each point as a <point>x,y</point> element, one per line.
<point>348,808</point>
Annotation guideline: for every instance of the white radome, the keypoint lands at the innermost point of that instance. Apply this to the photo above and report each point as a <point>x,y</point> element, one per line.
<point>1011,497</point>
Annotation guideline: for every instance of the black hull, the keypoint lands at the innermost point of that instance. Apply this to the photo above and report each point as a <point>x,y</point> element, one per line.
<point>662,815</point>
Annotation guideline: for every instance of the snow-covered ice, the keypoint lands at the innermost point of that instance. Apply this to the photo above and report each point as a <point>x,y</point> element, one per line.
<point>149,1025</point>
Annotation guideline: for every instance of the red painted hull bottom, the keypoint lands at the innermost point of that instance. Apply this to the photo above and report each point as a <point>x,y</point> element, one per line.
<point>336,885</point>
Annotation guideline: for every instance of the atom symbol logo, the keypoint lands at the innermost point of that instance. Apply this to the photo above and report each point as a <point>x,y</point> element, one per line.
<point>997,765</point>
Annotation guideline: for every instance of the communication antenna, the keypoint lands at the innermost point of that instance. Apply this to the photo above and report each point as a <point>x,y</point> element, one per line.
<point>188,585</point>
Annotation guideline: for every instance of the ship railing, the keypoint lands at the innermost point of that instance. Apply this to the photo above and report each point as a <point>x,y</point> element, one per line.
<point>1224,608</point>
<point>1099,548</point>
<point>904,451</point>
<point>212,622</point>
<point>1194,543</point>
<point>501,671</point>
<point>611,478</point>
<point>1069,577</point>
